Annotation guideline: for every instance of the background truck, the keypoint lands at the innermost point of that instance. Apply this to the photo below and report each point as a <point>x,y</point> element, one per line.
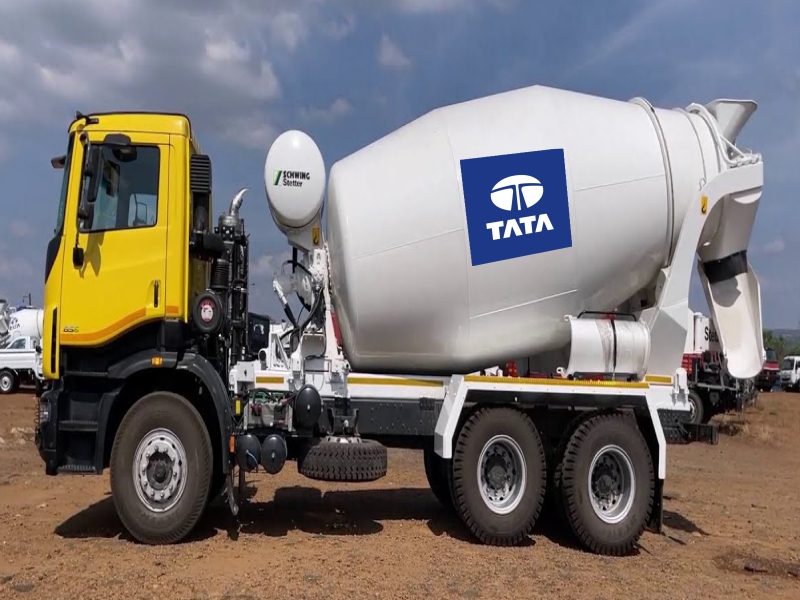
<point>20,364</point>
<point>496,228</point>
<point>20,350</point>
<point>769,376</point>
<point>712,389</point>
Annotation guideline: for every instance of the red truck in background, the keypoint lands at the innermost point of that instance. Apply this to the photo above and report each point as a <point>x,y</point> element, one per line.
<point>768,376</point>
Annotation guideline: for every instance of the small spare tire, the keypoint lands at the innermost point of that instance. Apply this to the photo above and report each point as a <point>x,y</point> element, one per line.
<point>343,459</point>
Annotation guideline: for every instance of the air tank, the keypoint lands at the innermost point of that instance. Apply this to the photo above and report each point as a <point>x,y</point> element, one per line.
<point>464,237</point>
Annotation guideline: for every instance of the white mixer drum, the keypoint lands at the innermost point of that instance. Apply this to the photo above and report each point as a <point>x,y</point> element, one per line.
<point>27,321</point>
<point>463,238</point>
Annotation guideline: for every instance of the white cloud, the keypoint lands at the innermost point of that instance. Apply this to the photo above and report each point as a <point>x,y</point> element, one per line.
<point>268,264</point>
<point>13,268</point>
<point>338,30</point>
<point>391,55</point>
<point>207,59</point>
<point>775,246</point>
<point>338,109</point>
<point>442,6</point>
<point>289,28</point>
<point>632,31</point>
<point>21,229</point>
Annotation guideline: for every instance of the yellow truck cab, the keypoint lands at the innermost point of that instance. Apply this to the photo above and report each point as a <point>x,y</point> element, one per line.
<point>130,312</point>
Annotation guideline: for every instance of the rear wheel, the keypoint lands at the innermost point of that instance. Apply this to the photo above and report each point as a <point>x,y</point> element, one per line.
<point>7,381</point>
<point>696,408</point>
<point>161,465</point>
<point>499,475</point>
<point>607,484</point>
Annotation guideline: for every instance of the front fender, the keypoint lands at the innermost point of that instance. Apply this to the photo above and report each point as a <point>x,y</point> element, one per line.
<point>147,360</point>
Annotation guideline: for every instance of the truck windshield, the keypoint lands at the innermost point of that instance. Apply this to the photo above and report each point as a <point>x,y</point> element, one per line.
<point>772,356</point>
<point>62,203</point>
<point>788,364</point>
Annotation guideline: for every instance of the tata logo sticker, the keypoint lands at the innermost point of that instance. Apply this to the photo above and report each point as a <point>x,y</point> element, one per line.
<point>516,205</point>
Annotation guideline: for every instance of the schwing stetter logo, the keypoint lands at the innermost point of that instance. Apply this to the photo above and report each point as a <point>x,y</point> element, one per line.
<point>290,178</point>
<point>516,204</point>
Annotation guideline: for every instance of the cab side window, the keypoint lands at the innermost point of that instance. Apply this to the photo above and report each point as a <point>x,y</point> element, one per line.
<point>128,193</point>
<point>17,344</point>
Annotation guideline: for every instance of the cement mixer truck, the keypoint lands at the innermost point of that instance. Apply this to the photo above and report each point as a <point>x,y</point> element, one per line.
<point>20,351</point>
<point>536,222</point>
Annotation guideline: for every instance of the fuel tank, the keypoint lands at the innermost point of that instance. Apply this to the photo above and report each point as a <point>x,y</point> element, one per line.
<point>463,238</point>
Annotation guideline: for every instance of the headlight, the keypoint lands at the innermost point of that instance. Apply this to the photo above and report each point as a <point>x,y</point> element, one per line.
<point>44,412</point>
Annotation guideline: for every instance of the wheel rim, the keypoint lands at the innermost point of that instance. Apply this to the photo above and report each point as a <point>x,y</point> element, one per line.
<point>612,484</point>
<point>5,383</point>
<point>159,470</point>
<point>692,409</point>
<point>502,474</point>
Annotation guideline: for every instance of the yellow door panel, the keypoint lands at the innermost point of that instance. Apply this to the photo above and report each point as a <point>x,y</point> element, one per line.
<point>122,280</point>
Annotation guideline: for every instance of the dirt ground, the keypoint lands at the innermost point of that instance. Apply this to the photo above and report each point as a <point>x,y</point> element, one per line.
<point>732,514</point>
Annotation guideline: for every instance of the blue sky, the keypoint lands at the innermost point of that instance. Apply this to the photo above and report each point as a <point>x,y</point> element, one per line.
<point>350,71</point>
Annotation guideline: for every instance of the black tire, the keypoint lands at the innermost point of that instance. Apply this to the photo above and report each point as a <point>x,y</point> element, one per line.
<point>217,485</point>
<point>168,411</point>
<point>436,470</point>
<point>553,494</point>
<point>362,460</point>
<point>610,539</point>
<point>697,407</point>
<point>485,524</point>
<point>7,381</point>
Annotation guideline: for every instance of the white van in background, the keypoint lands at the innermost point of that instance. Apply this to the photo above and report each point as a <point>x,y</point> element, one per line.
<point>790,373</point>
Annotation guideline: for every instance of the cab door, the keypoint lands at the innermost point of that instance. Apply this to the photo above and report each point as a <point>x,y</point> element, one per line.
<point>120,281</point>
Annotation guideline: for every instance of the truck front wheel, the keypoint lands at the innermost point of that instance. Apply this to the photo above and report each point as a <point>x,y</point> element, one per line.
<point>607,484</point>
<point>161,466</point>
<point>499,475</point>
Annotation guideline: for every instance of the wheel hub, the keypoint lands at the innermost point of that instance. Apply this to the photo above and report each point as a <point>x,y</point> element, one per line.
<point>501,474</point>
<point>159,470</point>
<point>611,484</point>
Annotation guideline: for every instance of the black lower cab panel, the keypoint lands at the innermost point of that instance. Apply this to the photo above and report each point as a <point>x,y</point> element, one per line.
<point>67,431</point>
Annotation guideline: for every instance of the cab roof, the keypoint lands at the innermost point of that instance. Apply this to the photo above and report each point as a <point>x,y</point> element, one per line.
<point>135,121</point>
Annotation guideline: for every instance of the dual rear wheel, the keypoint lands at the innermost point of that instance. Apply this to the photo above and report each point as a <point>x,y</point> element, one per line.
<point>602,482</point>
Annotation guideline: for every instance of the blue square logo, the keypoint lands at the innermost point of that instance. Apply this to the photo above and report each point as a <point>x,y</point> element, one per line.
<point>516,204</point>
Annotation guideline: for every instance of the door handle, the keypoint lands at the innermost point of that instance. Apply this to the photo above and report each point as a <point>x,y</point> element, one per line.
<point>155,292</point>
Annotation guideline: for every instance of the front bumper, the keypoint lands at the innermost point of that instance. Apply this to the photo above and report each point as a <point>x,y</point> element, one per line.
<point>46,434</point>
<point>767,378</point>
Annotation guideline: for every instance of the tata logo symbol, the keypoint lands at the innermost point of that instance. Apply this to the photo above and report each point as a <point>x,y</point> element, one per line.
<point>512,192</point>
<point>516,205</point>
<point>507,190</point>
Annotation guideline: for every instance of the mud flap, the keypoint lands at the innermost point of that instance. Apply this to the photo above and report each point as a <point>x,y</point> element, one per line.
<point>656,522</point>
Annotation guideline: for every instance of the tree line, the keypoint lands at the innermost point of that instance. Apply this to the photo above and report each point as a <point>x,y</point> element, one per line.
<point>780,344</point>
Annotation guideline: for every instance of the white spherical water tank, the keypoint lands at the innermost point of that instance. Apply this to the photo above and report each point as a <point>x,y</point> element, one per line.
<point>463,238</point>
<point>294,177</point>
